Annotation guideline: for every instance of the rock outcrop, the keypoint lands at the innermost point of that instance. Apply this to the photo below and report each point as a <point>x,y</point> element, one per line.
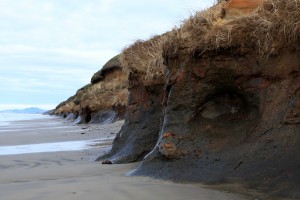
<point>103,100</point>
<point>217,100</point>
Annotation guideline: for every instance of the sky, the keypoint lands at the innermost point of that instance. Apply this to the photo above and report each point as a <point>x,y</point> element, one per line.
<point>51,48</point>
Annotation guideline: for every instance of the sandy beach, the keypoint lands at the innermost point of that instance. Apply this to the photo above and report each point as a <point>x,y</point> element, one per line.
<point>74,174</point>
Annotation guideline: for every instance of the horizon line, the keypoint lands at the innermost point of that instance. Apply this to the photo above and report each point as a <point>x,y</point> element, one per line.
<point>24,106</point>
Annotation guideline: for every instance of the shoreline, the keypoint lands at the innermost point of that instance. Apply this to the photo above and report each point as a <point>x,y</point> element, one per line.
<point>74,175</point>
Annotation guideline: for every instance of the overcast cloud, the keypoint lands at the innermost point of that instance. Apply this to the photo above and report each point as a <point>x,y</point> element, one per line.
<point>51,48</point>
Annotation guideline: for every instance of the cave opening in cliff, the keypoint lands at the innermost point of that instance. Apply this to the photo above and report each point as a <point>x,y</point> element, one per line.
<point>88,117</point>
<point>225,102</point>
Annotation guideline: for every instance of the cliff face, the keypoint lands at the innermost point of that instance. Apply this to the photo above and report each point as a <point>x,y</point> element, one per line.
<point>231,118</point>
<point>224,105</point>
<point>140,132</point>
<point>102,101</point>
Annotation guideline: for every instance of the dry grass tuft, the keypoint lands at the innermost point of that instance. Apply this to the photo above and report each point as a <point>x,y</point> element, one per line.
<point>108,93</point>
<point>144,59</point>
<point>274,25</point>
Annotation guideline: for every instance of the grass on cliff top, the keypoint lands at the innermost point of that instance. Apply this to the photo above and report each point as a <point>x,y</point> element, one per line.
<point>145,57</point>
<point>108,66</point>
<point>110,92</point>
<point>274,25</point>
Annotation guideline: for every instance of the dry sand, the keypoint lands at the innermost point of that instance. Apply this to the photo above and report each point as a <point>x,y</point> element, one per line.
<point>74,175</point>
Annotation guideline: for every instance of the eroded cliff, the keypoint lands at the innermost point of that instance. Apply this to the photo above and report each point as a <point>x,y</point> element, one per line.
<point>217,99</point>
<point>140,132</point>
<point>103,100</point>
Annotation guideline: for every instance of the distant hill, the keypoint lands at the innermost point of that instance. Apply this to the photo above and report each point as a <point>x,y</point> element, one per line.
<point>32,110</point>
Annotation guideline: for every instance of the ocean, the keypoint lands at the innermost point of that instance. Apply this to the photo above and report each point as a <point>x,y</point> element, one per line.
<point>23,130</point>
<point>6,118</point>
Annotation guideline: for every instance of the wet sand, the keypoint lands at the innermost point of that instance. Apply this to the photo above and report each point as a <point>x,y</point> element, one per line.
<point>74,175</point>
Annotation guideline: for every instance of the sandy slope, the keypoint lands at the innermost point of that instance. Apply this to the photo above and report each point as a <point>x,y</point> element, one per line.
<point>72,175</point>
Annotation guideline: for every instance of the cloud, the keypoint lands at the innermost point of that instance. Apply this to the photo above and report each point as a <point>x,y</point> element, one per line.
<point>51,48</point>
<point>23,54</point>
